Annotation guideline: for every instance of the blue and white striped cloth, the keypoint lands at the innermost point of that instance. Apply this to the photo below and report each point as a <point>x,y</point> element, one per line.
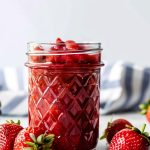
<point>123,87</point>
<point>13,91</point>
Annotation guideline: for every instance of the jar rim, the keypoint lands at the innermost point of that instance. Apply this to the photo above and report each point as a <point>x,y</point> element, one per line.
<point>88,47</point>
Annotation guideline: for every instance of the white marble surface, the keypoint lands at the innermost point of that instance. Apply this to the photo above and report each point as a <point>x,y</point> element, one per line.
<point>135,118</point>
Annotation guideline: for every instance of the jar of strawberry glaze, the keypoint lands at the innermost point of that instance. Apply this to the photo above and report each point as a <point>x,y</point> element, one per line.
<point>64,92</point>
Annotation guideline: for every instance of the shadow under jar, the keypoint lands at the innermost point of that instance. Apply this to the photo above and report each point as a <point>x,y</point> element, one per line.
<point>64,93</point>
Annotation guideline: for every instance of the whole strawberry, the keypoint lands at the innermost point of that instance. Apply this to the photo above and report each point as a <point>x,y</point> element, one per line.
<point>114,127</point>
<point>130,139</point>
<point>145,110</point>
<point>33,139</point>
<point>8,133</point>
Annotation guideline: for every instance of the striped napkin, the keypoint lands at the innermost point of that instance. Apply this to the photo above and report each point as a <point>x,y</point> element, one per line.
<point>13,91</point>
<point>123,87</point>
<point>14,103</point>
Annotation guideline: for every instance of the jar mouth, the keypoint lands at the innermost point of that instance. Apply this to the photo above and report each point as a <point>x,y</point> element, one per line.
<point>46,48</point>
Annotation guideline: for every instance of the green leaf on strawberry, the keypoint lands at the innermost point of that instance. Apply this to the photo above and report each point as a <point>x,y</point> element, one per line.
<point>145,109</point>
<point>34,139</point>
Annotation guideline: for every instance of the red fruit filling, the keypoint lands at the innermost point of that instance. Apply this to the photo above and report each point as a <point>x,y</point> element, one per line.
<point>68,46</point>
<point>37,59</point>
<point>71,45</point>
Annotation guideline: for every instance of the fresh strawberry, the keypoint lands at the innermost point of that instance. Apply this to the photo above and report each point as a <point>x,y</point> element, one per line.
<point>36,58</point>
<point>57,58</point>
<point>71,45</point>
<point>33,139</point>
<point>39,48</point>
<point>145,110</point>
<point>130,139</point>
<point>8,133</point>
<point>60,45</point>
<point>113,128</point>
<point>93,58</point>
<point>59,40</point>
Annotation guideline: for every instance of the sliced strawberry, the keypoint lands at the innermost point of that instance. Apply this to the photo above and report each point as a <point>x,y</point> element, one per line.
<point>37,59</point>
<point>93,58</point>
<point>50,59</point>
<point>66,59</point>
<point>59,40</point>
<point>56,59</point>
<point>71,45</point>
<point>38,48</point>
<point>60,45</point>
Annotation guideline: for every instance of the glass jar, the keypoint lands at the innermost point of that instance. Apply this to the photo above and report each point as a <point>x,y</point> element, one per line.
<point>64,93</point>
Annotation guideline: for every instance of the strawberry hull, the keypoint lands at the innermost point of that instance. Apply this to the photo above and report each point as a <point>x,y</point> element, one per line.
<point>64,97</point>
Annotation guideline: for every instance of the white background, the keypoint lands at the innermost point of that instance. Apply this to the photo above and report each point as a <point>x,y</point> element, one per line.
<point>122,26</point>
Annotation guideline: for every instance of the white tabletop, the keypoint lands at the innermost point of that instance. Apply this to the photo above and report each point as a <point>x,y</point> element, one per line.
<point>135,118</point>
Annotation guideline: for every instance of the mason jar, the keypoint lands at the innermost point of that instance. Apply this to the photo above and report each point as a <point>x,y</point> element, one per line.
<point>64,93</point>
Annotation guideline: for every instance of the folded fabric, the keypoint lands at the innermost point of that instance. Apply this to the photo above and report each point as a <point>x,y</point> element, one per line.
<point>13,91</point>
<point>0,109</point>
<point>124,86</point>
<point>14,103</point>
<point>13,79</point>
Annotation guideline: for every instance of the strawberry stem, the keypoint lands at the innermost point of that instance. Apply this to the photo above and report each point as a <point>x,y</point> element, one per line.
<point>19,122</point>
<point>40,139</point>
<point>144,107</point>
<point>42,142</point>
<point>28,148</point>
<point>12,122</point>
<point>32,136</point>
<point>143,128</point>
<point>103,136</point>
<point>144,134</point>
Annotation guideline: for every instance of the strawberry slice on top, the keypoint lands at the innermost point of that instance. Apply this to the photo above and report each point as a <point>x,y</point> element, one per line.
<point>71,45</point>
<point>64,52</point>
